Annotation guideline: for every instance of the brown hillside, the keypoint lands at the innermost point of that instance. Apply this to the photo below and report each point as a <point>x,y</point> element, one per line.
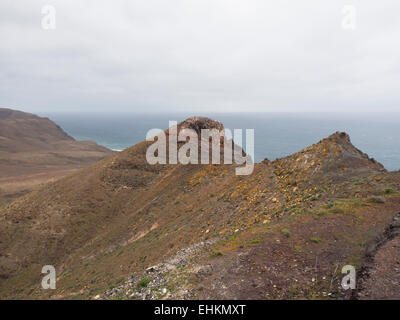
<point>34,150</point>
<point>121,215</point>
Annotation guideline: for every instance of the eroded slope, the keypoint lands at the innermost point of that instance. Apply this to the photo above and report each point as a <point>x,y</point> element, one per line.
<point>121,215</point>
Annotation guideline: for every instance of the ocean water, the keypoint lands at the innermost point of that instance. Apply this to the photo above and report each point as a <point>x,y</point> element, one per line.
<point>276,134</point>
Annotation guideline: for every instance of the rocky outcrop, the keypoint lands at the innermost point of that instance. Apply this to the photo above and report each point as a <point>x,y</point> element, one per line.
<point>199,123</point>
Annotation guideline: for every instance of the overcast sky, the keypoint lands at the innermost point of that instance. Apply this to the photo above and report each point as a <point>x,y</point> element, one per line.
<point>200,55</point>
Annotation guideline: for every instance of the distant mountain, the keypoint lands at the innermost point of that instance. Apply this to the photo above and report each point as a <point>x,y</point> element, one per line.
<point>35,149</point>
<point>122,228</point>
<point>21,132</point>
<point>25,132</point>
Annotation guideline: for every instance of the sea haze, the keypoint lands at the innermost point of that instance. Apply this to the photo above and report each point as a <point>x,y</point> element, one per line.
<point>276,134</point>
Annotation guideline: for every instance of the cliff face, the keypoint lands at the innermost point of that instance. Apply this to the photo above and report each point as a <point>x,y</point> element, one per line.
<point>34,150</point>
<point>121,215</point>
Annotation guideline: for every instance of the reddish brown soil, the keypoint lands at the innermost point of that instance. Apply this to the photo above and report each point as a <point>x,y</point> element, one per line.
<point>121,215</point>
<point>380,275</point>
<point>280,267</point>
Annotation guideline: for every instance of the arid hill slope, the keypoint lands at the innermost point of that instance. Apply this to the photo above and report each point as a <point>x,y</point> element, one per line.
<point>34,150</point>
<point>121,215</point>
<point>22,132</point>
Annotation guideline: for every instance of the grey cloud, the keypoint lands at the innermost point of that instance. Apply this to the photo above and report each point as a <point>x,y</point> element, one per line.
<point>209,55</point>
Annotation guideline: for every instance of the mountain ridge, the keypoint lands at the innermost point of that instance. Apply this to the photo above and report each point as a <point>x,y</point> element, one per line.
<point>121,215</point>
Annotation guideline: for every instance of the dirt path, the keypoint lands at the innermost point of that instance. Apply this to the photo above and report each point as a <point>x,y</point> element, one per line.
<point>380,274</point>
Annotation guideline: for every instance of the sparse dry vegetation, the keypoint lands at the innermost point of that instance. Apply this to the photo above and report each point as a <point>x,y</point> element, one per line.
<point>120,215</point>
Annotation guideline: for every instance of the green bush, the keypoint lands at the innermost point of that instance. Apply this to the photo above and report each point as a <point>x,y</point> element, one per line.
<point>388,191</point>
<point>215,253</point>
<point>316,240</point>
<point>377,200</point>
<point>143,283</point>
<point>285,232</point>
